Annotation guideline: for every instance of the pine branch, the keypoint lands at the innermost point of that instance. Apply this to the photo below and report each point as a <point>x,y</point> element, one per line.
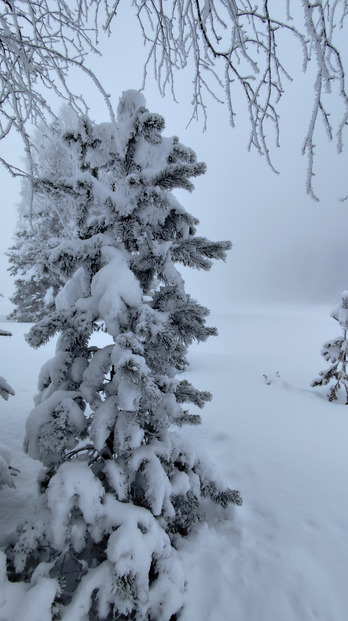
<point>223,498</point>
<point>187,419</point>
<point>198,252</point>
<point>177,176</point>
<point>186,393</point>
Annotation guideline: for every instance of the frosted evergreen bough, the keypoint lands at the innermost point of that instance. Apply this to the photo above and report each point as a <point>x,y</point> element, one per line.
<point>122,484</point>
<point>335,352</point>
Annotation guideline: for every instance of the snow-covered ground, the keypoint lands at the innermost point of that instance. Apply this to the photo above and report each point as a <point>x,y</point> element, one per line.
<point>283,555</point>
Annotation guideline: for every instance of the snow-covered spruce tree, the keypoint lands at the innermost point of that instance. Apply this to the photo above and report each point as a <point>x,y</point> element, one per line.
<point>335,351</point>
<point>28,264</point>
<point>28,259</point>
<point>45,217</point>
<point>121,485</point>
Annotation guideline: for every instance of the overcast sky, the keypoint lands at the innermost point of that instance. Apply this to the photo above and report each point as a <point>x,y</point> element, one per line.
<point>286,248</point>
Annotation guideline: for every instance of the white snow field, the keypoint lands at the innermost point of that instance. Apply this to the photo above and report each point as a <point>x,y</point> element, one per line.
<point>283,555</point>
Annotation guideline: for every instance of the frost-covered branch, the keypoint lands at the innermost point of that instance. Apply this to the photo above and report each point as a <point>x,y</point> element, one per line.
<point>235,46</point>
<point>40,41</point>
<point>230,47</point>
<point>321,20</point>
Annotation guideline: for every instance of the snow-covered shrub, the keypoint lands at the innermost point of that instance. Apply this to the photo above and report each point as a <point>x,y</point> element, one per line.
<point>122,486</point>
<point>335,351</point>
<point>6,471</point>
<point>5,389</point>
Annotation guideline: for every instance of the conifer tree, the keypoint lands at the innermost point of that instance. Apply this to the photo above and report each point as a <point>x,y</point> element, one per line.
<point>335,351</point>
<point>122,486</point>
<point>45,217</point>
<point>28,260</point>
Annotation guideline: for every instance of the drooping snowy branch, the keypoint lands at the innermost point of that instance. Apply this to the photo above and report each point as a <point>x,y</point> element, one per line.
<point>236,46</point>
<point>229,46</point>
<point>321,19</point>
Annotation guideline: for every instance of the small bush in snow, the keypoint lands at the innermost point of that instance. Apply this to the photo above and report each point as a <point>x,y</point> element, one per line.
<point>121,486</point>
<point>335,351</point>
<point>6,471</point>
